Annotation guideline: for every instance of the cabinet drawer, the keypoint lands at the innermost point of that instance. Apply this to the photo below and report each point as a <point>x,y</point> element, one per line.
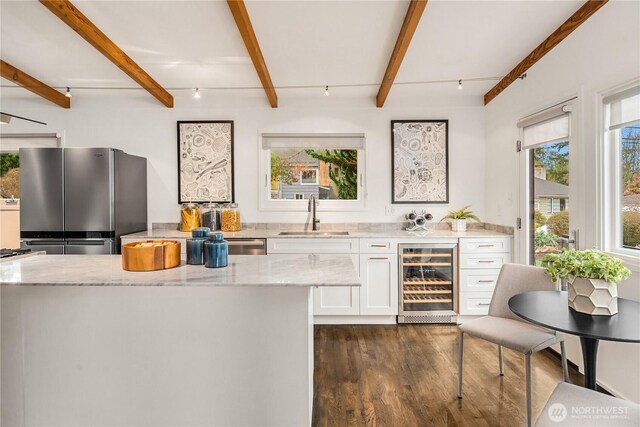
<point>485,245</point>
<point>484,260</point>
<point>475,303</point>
<point>369,246</point>
<point>478,280</point>
<point>312,246</point>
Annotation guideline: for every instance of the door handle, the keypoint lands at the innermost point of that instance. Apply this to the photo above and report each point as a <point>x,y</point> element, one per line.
<point>486,281</point>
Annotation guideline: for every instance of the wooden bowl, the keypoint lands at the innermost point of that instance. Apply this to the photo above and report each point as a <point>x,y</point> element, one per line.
<point>150,255</point>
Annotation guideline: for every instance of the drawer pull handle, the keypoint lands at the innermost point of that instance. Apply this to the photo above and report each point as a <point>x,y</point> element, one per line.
<point>378,246</point>
<point>485,246</point>
<point>486,281</point>
<point>482,261</point>
<point>483,303</point>
<point>380,257</point>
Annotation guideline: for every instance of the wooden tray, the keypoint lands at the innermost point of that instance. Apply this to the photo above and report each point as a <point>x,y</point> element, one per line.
<point>149,255</point>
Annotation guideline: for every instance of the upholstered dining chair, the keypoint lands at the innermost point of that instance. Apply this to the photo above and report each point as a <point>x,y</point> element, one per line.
<point>505,329</point>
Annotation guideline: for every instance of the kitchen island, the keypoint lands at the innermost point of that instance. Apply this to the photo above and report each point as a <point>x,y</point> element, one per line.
<point>86,343</point>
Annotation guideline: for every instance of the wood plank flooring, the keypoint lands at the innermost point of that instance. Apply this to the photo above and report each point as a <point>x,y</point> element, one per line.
<point>406,375</point>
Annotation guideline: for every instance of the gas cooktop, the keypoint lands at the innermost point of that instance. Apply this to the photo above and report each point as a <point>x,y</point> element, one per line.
<point>6,253</point>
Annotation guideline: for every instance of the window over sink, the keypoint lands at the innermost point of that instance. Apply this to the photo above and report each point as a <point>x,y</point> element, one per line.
<point>328,166</point>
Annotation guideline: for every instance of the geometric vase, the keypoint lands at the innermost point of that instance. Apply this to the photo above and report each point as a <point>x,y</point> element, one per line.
<point>593,296</point>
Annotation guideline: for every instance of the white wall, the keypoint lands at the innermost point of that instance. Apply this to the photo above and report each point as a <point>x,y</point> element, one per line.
<point>604,52</point>
<point>139,125</point>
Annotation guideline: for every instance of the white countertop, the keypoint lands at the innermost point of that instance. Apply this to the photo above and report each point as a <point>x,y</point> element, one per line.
<point>356,234</point>
<point>243,270</point>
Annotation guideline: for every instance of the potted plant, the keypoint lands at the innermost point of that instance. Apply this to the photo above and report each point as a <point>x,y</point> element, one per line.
<point>459,218</point>
<point>592,278</point>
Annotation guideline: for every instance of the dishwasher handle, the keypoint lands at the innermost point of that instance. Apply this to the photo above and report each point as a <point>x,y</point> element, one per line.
<point>247,246</point>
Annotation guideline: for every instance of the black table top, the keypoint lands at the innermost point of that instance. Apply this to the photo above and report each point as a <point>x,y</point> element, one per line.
<point>549,309</point>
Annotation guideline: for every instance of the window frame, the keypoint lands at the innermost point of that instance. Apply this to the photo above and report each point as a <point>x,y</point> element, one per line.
<point>317,176</point>
<point>265,203</point>
<point>609,194</point>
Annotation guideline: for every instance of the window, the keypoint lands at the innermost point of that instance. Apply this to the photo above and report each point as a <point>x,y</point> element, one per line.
<point>622,172</point>
<point>295,167</point>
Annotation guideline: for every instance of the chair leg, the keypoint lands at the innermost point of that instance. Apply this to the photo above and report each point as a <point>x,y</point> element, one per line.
<point>527,358</point>
<point>460,358</point>
<point>565,365</point>
<point>501,360</point>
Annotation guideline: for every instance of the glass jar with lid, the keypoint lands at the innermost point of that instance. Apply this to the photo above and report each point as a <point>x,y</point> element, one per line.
<point>230,217</point>
<point>189,217</point>
<point>210,216</point>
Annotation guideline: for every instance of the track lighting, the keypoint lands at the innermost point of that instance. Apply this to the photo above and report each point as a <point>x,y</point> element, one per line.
<point>459,84</point>
<point>196,94</point>
<point>326,91</point>
<point>68,94</point>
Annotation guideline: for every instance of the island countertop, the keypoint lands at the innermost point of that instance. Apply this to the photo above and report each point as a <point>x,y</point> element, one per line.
<point>243,270</point>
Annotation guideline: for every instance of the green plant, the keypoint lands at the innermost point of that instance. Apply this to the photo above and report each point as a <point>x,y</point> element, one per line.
<point>558,223</point>
<point>464,213</point>
<point>8,161</point>
<point>542,239</point>
<point>343,170</point>
<point>281,169</point>
<point>539,219</point>
<point>631,229</point>
<point>589,264</point>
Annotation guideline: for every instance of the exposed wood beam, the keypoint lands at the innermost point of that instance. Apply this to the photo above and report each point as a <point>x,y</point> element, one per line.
<point>241,16</point>
<point>71,16</point>
<point>28,82</point>
<point>411,20</point>
<point>580,16</point>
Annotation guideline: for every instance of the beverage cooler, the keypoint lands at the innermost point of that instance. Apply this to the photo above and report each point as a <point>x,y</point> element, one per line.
<point>428,283</point>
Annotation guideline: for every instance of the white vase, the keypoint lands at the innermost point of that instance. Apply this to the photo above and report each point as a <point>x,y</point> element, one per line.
<point>593,296</point>
<point>458,225</point>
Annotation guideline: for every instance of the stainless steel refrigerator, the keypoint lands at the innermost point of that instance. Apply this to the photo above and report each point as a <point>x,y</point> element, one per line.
<point>80,200</point>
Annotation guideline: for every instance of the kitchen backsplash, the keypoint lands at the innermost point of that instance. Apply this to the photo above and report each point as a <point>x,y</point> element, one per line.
<point>347,226</point>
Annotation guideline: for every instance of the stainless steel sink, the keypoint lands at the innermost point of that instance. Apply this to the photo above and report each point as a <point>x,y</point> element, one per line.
<point>314,233</point>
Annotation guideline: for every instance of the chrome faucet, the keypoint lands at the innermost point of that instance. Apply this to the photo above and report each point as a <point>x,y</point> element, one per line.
<point>313,202</point>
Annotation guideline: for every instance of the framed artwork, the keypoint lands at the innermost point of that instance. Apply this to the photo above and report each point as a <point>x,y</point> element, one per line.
<point>420,161</point>
<point>205,161</point>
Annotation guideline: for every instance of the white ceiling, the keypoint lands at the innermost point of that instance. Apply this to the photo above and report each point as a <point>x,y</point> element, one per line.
<point>196,44</point>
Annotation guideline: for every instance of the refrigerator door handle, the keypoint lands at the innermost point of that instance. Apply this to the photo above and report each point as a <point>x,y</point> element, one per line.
<point>44,242</point>
<point>86,242</point>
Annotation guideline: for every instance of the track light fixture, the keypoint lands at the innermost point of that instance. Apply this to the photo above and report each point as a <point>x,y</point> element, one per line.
<point>459,84</point>
<point>196,94</point>
<point>326,90</point>
<point>68,94</point>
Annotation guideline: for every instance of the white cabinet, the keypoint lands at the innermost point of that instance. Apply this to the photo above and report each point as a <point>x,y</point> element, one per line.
<point>480,263</point>
<point>379,291</point>
<point>327,301</point>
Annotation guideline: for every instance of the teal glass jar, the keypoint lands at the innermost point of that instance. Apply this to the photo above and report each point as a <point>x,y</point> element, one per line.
<point>216,251</point>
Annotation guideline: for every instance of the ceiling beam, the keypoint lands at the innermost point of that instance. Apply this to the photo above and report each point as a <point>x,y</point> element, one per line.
<point>411,20</point>
<point>580,16</point>
<point>34,85</point>
<point>241,16</point>
<point>71,16</point>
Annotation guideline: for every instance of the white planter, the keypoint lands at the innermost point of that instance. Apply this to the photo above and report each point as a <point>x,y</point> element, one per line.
<point>593,296</point>
<point>458,225</point>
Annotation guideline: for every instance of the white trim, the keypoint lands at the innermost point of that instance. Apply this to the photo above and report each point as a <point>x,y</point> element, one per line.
<point>265,203</point>
<point>316,182</point>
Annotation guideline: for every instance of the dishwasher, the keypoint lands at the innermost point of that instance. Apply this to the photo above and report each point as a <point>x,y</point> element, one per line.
<point>239,246</point>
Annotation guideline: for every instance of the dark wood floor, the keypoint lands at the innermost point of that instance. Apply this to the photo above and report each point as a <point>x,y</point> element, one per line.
<point>406,375</point>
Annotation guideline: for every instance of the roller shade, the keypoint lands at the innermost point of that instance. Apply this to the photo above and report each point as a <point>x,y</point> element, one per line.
<point>315,141</point>
<point>623,109</point>
<point>551,130</point>
<point>12,143</point>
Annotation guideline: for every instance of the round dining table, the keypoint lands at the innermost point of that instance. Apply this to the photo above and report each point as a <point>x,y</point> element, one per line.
<point>550,310</point>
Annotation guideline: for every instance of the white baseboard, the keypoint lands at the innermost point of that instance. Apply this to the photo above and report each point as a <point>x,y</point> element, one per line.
<point>354,320</point>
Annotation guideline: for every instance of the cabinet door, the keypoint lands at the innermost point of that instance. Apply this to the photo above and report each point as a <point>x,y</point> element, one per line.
<point>336,301</point>
<point>379,291</point>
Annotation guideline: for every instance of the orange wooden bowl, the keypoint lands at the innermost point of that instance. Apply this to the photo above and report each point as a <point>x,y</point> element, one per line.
<point>150,255</point>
